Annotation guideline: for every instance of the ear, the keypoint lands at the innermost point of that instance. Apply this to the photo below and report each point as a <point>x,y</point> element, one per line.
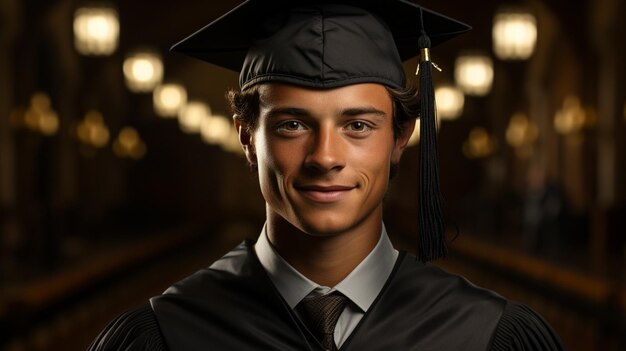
<point>402,140</point>
<point>246,140</point>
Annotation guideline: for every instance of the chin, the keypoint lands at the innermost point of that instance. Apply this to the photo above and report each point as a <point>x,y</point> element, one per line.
<point>325,226</point>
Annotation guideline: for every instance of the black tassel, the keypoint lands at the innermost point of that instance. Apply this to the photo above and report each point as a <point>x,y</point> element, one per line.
<point>432,244</point>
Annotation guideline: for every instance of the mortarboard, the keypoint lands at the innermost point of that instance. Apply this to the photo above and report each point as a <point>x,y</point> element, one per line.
<point>325,44</point>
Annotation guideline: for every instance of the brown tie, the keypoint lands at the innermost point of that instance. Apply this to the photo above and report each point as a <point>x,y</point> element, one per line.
<point>320,314</point>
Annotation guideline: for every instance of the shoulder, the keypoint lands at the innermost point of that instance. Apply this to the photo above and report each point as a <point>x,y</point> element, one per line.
<point>231,280</point>
<point>521,328</point>
<point>508,325</point>
<point>423,299</point>
<point>462,315</point>
<point>227,273</point>
<point>134,330</point>
<point>431,282</point>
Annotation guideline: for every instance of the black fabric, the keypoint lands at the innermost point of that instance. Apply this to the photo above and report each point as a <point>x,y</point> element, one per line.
<point>311,45</point>
<point>235,310</point>
<point>521,329</point>
<point>316,44</point>
<point>135,330</point>
<point>421,307</point>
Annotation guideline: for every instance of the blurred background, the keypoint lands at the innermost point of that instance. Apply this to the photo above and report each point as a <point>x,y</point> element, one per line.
<point>120,173</point>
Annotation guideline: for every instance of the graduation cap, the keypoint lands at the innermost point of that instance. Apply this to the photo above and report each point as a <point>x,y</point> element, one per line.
<point>326,44</point>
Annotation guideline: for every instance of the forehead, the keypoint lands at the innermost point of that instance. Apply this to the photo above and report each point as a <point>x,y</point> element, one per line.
<point>356,95</point>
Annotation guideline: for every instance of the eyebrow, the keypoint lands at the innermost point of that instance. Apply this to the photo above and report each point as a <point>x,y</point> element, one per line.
<point>292,111</point>
<point>350,112</point>
<point>357,111</point>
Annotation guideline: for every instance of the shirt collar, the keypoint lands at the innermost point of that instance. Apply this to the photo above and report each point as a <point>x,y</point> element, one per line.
<point>361,286</point>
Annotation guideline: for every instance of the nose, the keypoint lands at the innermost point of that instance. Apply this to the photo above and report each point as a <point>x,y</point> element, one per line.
<point>326,152</point>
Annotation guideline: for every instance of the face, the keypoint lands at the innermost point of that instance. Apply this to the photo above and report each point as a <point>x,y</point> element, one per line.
<point>323,156</point>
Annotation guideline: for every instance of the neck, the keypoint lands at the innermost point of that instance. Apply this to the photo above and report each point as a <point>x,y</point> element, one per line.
<point>325,259</point>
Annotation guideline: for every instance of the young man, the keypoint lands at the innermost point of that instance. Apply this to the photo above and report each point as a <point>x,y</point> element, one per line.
<point>324,115</point>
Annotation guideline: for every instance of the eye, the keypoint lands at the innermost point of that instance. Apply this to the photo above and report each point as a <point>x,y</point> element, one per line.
<point>291,126</point>
<point>358,126</point>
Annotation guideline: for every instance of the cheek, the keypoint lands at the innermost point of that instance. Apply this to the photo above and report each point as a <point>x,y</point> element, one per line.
<point>276,162</point>
<point>377,153</point>
<point>375,161</point>
<point>272,151</point>
<point>265,153</point>
<point>265,164</point>
<point>280,158</point>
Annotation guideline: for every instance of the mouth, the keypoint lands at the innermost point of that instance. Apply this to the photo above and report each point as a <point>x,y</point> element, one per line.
<point>324,193</point>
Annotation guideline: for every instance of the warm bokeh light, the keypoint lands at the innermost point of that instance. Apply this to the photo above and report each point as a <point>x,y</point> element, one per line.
<point>232,144</point>
<point>474,74</point>
<point>521,131</point>
<point>514,34</point>
<point>128,144</point>
<point>49,124</point>
<point>92,130</point>
<point>168,99</point>
<point>31,119</point>
<point>39,117</point>
<point>191,116</point>
<point>450,101</point>
<point>143,71</point>
<point>96,30</point>
<point>571,117</point>
<point>479,144</point>
<point>40,101</point>
<point>215,129</point>
<point>415,137</point>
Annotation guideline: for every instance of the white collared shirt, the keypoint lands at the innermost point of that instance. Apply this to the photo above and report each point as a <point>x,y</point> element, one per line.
<point>361,286</point>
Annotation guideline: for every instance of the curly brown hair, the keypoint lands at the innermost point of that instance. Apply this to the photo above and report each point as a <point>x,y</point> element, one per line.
<point>245,106</point>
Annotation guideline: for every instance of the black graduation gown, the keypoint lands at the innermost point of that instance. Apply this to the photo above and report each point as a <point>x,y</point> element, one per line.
<point>421,307</point>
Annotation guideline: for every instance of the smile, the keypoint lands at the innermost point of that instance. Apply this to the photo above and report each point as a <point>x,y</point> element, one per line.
<point>325,194</point>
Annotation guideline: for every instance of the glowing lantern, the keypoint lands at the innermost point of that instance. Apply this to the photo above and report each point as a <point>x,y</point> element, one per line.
<point>192,115</point>
<point>96,31</point>
<point>514,34</point>
<point>474,74</point>
<point>143,71</point>
<point>169,99</point>
<point>450,102</point>
<point>215,129</point>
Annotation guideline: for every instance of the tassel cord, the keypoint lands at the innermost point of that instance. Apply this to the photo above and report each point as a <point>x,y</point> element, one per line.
<point>431,223</point>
